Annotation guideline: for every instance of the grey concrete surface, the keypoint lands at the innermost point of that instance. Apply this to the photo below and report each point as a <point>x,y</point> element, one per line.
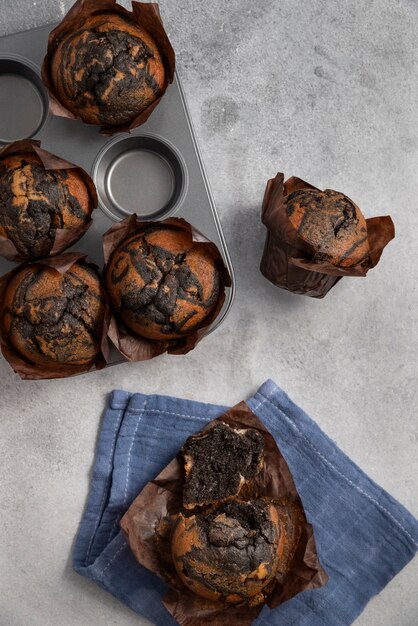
<point>323,89</point>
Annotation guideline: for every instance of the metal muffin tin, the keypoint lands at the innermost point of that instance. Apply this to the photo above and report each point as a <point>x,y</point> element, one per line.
<point>156,171</point>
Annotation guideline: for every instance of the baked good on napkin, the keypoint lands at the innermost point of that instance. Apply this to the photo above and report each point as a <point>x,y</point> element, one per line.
<point>229,551</point>
<point>219,463</point>
<point>224,526</point>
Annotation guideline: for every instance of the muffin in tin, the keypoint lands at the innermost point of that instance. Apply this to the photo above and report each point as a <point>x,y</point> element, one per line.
<point>162,285</point>
<point>35,202</point>
<point>107,70</point>
<point>55,319</point>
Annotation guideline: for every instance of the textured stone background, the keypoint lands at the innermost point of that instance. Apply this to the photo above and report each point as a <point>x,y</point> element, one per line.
<point>323,89</point>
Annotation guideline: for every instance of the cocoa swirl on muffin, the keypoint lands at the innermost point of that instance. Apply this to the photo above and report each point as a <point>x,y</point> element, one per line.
<point>230,552</point>
<point>161,285</point>
<point>331,223</point>
<point>34,202</point>
<point>53,318</point>
<point>108,71</point>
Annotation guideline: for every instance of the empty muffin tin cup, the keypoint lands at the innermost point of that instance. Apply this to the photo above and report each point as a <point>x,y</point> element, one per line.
<point>143,174</point>
<point>23,100</point>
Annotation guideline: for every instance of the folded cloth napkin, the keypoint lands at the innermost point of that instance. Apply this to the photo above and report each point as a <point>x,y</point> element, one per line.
<point>364,537</point>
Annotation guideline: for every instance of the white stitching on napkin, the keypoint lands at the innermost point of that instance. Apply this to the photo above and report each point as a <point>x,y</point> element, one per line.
<point>105,490</point>
<point>128,467</point>
<point>265,398</point>
<point>350,482</point>
<point>201,419</point>
<point>125,493</point>
<point>112,559</point>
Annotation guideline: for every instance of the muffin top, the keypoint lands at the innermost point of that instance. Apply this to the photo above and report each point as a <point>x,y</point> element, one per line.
<point>34,202</point>
<point>218,462</point>
<point>53,318</point>
<point>108,70</point>
<point>162,285</point>
<point>331,223</point>
<point>229,552</point>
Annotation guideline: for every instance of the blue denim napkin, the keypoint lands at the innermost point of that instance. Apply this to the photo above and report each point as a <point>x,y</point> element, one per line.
<point>364,536</point>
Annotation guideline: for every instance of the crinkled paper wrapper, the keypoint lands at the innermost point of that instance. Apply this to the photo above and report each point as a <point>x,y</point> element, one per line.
<point>149,520</point>
<point>288,261</point>
<point>146,15</point>
<point>132,346</point>
<point>64,237</point>
<point>34,371</point>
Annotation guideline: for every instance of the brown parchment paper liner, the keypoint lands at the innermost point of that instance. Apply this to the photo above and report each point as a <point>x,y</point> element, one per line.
<point>129,344</point>
<point>146,15</point>
<point>148,522</point>
<point>64,237</point>
<point>289,262</point>
<point>33,371</point>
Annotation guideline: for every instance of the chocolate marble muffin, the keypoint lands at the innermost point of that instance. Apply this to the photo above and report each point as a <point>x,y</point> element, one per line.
<point>52,318</point>
<point>219,463</point>
<point>108,70</point>
<point>331,223</point>
<point>162,285</point>
<point>34,202</point>
<point>230,552</point>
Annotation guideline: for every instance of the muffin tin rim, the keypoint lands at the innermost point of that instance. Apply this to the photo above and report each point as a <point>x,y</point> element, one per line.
<point>159,138</point>
<point>39,86</point>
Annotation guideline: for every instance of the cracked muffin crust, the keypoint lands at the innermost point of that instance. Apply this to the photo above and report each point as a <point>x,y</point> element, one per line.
<point>230,552</point>
<point>162,285</point>
<point>34,202</point>
<point>54,318</point>
<point>219,462</point>
<point>331,223</point>
<point>108,71</point>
